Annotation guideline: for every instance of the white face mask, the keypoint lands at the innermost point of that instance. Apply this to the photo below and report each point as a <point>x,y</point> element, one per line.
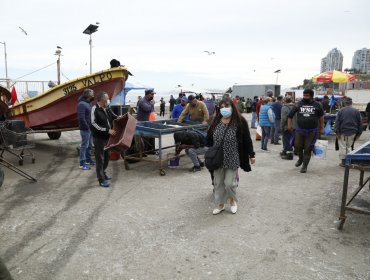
<point>108,103</point>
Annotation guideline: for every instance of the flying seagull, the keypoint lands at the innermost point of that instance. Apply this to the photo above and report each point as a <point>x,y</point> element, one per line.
<point>58,47</point>
<point>278,71</point>
<point>24,31</point>
<point>209,53</point>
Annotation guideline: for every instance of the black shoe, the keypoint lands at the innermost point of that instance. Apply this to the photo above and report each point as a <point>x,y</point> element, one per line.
<point>304,168</point>
<point>195,169</point>
<point>288,156</point>
<point>282,153</point>
<point>277,143</point>
<point>201,163</point>
<point>298,163</point>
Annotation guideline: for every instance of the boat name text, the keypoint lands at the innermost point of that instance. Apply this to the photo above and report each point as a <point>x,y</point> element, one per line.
<point>88,82</point>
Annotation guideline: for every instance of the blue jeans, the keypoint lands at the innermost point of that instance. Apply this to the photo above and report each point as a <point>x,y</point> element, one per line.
<point>85,149</point>
<point>254,118</point>
<point>265,136</point>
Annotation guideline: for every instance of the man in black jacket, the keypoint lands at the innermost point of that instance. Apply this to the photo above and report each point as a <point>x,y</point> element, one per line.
<point>101,126</point>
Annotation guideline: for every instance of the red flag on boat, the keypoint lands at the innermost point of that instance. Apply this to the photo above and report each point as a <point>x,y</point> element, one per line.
<point>14,95</point>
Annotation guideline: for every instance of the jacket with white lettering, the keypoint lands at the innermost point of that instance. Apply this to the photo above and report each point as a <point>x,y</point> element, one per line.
<point>308,114</point>
<point>101,121</point>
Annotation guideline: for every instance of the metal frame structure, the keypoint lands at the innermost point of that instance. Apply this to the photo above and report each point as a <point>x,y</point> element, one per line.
<point>358,159</point>
<point>158,129</point>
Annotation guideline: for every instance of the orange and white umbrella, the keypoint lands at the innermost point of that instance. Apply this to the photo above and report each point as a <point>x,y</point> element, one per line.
<point>333,77</point>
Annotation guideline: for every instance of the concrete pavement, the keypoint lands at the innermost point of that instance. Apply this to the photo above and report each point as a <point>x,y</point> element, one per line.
<point>146,226</point>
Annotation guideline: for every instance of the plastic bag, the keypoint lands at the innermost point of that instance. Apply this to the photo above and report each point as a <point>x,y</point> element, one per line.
<point>319,151</point>
<point>327,129</point>
<point>259,130</point>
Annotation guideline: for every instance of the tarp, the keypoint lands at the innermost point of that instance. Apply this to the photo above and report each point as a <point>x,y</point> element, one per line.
<point>120,98</point>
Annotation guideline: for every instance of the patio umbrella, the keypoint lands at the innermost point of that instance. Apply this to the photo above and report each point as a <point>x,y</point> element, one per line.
<point>333,77</point>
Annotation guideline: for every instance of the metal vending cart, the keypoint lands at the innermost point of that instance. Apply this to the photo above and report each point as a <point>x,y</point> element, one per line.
<point>157,129</point>
<point>358,159</point>
<point>17,144</point>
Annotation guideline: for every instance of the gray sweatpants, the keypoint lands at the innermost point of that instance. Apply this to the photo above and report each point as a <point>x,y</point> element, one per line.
<point>345,143</point>
<point>193,154</point>
<point>226,183</point>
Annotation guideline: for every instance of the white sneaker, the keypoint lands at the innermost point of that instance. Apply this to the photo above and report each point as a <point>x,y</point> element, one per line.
<point>218,210</point>
<point>234,208</point>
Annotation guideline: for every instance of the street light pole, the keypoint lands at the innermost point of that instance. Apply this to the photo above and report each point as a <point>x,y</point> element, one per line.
<point>90,42</point>
<point>6,65</point>
<point>89,31</point>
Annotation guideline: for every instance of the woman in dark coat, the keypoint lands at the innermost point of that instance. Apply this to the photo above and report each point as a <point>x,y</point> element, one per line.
<point>238,152</point>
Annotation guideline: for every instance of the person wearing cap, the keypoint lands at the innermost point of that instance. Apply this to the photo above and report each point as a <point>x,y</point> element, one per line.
<point>348,126</point>
<point>145,106</point>
<point>84,123</point>
<point>196,109</point>
<point>267,122</point>
<point>177,110</point>
<point>310,116</point>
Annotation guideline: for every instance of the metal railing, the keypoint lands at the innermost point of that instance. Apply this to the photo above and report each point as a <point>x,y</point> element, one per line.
<point>25,89</point>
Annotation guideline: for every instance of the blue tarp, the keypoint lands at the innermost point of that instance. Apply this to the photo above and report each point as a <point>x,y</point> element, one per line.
<point>120,98</point>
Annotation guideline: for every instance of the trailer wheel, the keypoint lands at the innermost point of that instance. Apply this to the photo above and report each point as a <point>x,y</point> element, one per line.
<point>54,135</point>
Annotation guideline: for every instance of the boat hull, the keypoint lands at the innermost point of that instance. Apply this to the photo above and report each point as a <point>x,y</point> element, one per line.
<point>57,108</point>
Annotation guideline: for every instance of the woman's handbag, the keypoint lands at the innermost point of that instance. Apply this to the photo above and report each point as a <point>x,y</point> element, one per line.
<point>214,156</point>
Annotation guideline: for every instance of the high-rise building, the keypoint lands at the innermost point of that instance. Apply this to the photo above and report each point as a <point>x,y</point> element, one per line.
<point>333,61</point>
<point>361,60</point>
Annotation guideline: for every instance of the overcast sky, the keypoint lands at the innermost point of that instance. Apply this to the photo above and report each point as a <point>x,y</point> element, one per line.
<point>162,42</point>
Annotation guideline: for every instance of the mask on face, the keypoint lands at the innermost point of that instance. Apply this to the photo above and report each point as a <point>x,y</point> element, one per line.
<point>183,105</point>
<point>226,112</point>
<point>108,103</point>
<point>193,105</point>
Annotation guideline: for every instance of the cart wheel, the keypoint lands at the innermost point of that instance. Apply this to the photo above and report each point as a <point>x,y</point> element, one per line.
<point>21,162</point>
<point>341,223</point>
<point>33,160</point>
<point>162,172</point>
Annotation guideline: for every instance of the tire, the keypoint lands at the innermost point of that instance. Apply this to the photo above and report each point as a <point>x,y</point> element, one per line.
<point>54,135</point>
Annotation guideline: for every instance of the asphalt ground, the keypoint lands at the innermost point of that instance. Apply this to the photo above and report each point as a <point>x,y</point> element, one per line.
<point>147,226</point>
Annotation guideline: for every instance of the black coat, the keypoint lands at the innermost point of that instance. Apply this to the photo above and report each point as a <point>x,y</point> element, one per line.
<point>102,121</point>
<point>245,144</point>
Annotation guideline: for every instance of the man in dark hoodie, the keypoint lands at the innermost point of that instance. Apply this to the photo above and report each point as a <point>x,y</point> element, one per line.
<point>84,123</point>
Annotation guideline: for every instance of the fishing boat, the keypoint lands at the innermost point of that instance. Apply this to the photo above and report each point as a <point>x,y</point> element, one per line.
<point>55,110</point>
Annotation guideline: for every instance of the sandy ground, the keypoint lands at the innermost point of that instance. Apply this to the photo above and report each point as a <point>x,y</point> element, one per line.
<point>147,226</point>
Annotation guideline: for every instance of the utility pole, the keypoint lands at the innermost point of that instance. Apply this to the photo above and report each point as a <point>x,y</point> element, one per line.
<point>6,65</point>
<point>58,53</point>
